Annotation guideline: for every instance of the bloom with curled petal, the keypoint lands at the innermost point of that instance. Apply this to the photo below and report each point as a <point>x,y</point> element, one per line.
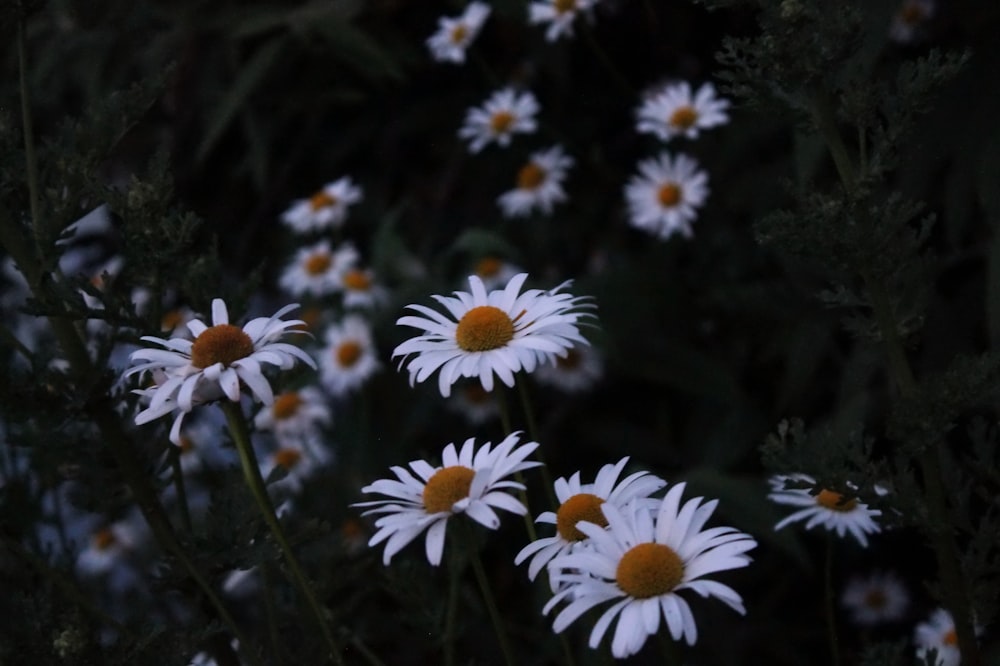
<point>501,332</point>
<point>470,481</point>
<point>455,35</point>
<point>506,113</point>
<point>676,111</point>
<point>821,506</point>
<point>642,560</point>
<point>220,361</point>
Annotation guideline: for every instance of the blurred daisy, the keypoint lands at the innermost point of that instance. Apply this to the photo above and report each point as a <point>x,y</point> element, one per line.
<point>539,184</point>
<point>474,402</point>
<point>824,507</point>
<point>643,561</point>
<point>455,35</point>
<point>361,289</point>
<point>504,114</point>
<point>469,481</point>
<point>318,270</point>
<point>298,463</point>
<point>326,208</point>
<point>295,415</point>
<point>938,634</point>
<point>174,322</point>
<point>664,195</point>
<point>875,599</point>
<point>219,362</point>
<point>495,272</point>
<point>559,15</point>
<point>108,546</point>
<point>349,356</point>
<point>910,19</point>
<point>577,371</point>
<point>501,332</point>
<point>675,111</point>
<point>583,501</point>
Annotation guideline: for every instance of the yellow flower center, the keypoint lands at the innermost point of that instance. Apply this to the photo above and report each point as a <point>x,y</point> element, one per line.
<point>530,177</point>
<point>223,344</point>
<point>287,458</point>
<point>171,320</point>
<point>669,195</point>
<point>570,361</point>
<point>563,6</point>
<point>186,445</point>
<point>649,570</point>
<point>584,506</point>
<point>458,33</point>
<point>950,638</point>
<point>447,486</point>
<point>357,280</point>
<point>501,122</point>
<point>318,263</point>
<point>835,501</point>
<point>348,353</point>
<point>875,599</point>
<point>104,538</point>
<point>286,405</point>
<point>321,199</point>
<point>484,328</point>
<point>488,267</point>
<point>683,117</point>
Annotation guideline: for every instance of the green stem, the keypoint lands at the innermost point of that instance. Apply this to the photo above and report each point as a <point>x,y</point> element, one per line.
<point>826,121</point>
<point>831,622</point>
<point>454,576</point>
<point>30,159</point>
<point>491,605</point>
<point>529,417</point>
<point>518,476</point>
<point>251,473</point>
<point>182,501</point>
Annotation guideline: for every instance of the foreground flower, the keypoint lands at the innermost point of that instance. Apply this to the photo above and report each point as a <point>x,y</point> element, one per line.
<point>875,599</point>
<point>643,562</point>
<point>583,501</point>
<point>824,507</point>
<point>675,111</point>
<point>326,208</point>
<point>504,114</point>
<point>455,35</point>
<point>559,14</point>
<point>501,332</point>
<point>349,357</point>
<point>664,196</point>
<point>221,360</point>
<point>938,634</point>
<point>539,184</point>
<point>469,481</point>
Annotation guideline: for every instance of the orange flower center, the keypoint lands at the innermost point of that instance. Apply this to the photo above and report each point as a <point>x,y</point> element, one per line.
<point>950,638</point>
<point>530,177</point>
<point>875,599</point>
<point>458,33</point>
<point>484,328</point>
<point>186,445</point>
<point>584,506</point>
<point>318,263</point>
<point>570,361</point>
<point>683,117</point>
<point>563,6</point>
<point>835,501</point>
<point>476,394</point>
<point>357,280</point>
<point>321,199</point>
<point>669,195</point>
<point>912,14</point>
<point>286,405</point>
<point>171,320</point>
<point>104,538</point>
<point>488,267</point>
<point>348,353</point>
<point>287,458</point>
<point>649,570</point>
<point>501,122</point>
<point>447,486</point>
<point>223,344</point>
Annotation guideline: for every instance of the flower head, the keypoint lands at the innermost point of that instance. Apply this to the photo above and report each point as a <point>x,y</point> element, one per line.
<point>494,271</point>
<point>500,332</point>
<point>469,481</point>
<point>361,289</point>
<point>325,209</point>
<point>539,184</point>
<point>876,599</point>
<point>577,371</point>
<point>318,270</point>
<point>676,111</point>
<point>219,362</point>
<point>504,114</point>
<point>910,20</point>
<point>455,35</point>
<point>559,15</point>
<point>349,357</point>
<point>664,196</point>
<point>295,416</point>
<point>938,634</point>
<point>642,561</point>
<point>821,506</point>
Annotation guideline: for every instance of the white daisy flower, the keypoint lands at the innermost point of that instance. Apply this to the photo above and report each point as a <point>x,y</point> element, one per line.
<point>495,272</point>
<point>875,599</point>
<point>474,402</point>
<point>469,481</point>
<point>219,362</point>
<point>675,111</point>
<point>109,548</point>
<point>577,371</point>
<point>664,196</point>
<point>643,562</point>
<point>361,290</point>
<point>824,507</point>
<point>504,114</point>
<point>298,462</point>
<point>318,270</point>
<point>938,634</point>
<point>295,415</point>
<point>455,35</point>
<point>583,501</point>
<point>539,184</point>
<point>325,209</point>
<point>559,14</point>
<point>910,19</point>
<point>501,332</point>
<point>349,357</point>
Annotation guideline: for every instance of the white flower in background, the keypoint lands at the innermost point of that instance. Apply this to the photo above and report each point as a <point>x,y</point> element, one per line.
<point>582,501</point>
<point>938,634</point>
<point>539,184</point>
<point>349,357</point>
<point>501,332</point>
<point>559,15</point>
<point>295,415</point>
<point>298,462</point>
<point>910,20</point>
<point>361,290</point>
<point>495,272</point>
<point>325,209</point>
<point>820,506</point>
<point>875,599</point>
<point>504,114</point>
<point>469,481</point>
<point>318,270</point>
<point>112,552</point>
<point>577,371</point>
<point>664,196</point>
<point>641,561</point>
<point>221,360</point>
<point>455,35</point>
<point>676,111</point>
<point>474,402</point>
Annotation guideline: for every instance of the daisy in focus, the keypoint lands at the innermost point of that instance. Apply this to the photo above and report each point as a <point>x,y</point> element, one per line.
<point>676,111</point>
<point>875,599</point>
<point>664,196</point>
<point>583,501</point>
<point>539,184</point>
<point>455,35</point>
<point>577,371</point>
<point>820,506</point>
<point>220,361</point>
<point>325,209</point>
<point>295,416</point>
<point>910,19</point>
<point>559,15</point>
<point>500,332</point>
<point>642,561</point>
<point>938,634</point>
<point>317,270</point>
<point>470,481</point>
<point>349,357</point>
<point>506,113</point>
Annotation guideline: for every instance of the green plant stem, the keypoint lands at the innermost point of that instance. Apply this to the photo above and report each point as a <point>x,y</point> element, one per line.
<point>490,601</point>
<point>182,501</point>
<point>529,417</point>
<point>826,121</point>
<point>30,159</point>
<point>830,611</point>
<point>454,578</point>
<point>522,494</point>
<point>251,473</point>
